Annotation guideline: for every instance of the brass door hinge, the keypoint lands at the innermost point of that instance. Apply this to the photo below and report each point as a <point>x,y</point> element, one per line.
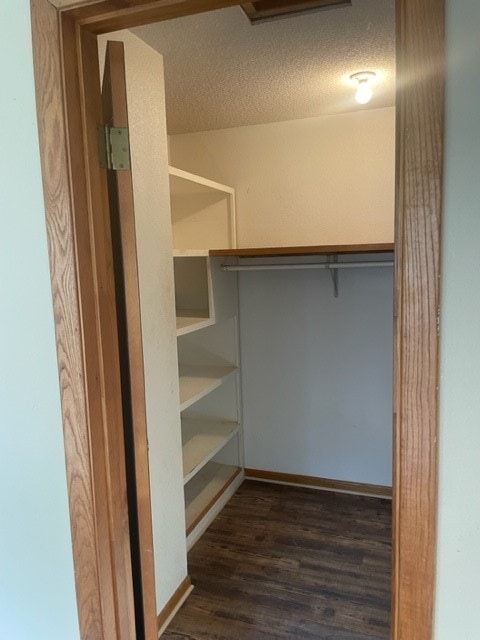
<point>113,147</point>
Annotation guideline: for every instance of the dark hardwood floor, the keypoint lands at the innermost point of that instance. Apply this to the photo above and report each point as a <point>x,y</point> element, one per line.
<point>285,562</point>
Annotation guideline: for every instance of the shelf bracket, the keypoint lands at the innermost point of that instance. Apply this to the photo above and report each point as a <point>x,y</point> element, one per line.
<point>333,273</point>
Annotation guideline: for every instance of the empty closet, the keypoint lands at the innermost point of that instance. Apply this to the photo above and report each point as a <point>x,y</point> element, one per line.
<point>314,323</point>
<point>315,335</point>
<point>281,374</point>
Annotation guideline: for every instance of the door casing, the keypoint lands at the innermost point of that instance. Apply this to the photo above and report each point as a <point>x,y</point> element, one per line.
<point>63,37</point>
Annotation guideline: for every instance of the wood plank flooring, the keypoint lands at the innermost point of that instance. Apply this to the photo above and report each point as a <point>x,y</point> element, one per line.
<point>285,562</point>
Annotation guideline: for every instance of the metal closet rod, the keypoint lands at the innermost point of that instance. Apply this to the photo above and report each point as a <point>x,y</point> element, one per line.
<point>307,265</point>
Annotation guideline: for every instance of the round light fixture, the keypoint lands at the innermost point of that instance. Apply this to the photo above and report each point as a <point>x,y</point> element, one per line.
<point>364,80</point>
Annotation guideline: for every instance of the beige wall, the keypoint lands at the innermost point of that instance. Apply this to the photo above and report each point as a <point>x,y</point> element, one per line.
<point>323,180</point>
<point>146,108</point>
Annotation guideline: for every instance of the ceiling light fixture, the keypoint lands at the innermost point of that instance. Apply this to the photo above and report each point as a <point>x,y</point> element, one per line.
<point>364,81</point>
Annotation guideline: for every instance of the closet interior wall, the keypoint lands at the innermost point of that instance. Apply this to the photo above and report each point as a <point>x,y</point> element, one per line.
<point>313,181</point>
<point>317,373</point>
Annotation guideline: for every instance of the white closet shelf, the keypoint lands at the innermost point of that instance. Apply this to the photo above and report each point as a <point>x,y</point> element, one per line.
<point>185,183</point>
<point>203,439</point>
<point>191,253</point>
<point>189,321</point>
<point>205,488</point>
<point>197,381</point>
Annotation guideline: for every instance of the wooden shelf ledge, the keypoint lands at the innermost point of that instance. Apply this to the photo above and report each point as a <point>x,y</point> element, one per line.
<point>271,252</point>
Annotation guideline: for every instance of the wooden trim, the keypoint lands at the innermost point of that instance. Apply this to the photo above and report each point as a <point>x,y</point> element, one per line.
<point>271,252</point>
<point>75,327</point>
<point>419,194</point>
<point>272,9</point>
<point>249,10</point>
<point>76,288</point>
<point>98,219</point>
<point>175,601</point>
<point>113,15</point>
<point>210,504</point>
<point>320,483</point>
<point>70,4</point>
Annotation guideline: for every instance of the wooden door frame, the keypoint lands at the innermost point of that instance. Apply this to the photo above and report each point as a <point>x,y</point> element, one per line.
<point>61,37</point>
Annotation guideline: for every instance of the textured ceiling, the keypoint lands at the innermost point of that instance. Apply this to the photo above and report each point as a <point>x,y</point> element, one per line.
<point>220,71</point>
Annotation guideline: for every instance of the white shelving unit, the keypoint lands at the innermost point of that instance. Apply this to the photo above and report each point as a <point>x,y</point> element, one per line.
<point>197,381</point>
<point>203,215</point>
<point>182,182</point>
<point>189,320</point>
<point>202,440</point>
<point>193,292</point>
<point>203,212</point>
<point>205,489</point>
<point>191,253</point>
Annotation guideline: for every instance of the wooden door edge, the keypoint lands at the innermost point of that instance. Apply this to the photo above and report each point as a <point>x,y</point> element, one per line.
<point>417,289</point>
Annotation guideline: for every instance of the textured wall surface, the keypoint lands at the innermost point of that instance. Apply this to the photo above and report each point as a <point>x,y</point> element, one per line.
<point>458,587</point>
<point>321,180</point>
<point>37,590</point>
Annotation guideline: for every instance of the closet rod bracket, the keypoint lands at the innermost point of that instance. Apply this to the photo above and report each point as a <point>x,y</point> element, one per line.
<point>333,259</point>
